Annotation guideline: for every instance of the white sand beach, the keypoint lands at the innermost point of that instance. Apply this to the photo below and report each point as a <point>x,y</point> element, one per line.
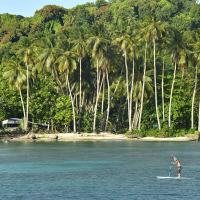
<point>96,137</point>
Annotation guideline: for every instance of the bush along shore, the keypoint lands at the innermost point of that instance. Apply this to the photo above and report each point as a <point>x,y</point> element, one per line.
<point>109,66</point>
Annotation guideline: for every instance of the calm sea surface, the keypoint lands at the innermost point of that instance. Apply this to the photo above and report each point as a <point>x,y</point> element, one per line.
<point>97,170</point>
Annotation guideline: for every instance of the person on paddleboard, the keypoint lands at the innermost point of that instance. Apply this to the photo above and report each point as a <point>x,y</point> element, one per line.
<point>178,166</point>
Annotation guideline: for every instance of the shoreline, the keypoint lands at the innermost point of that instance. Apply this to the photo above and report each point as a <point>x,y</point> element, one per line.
<point>65,137</point>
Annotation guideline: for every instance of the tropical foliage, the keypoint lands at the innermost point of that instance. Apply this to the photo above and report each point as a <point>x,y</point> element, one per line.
<point>120,65</point>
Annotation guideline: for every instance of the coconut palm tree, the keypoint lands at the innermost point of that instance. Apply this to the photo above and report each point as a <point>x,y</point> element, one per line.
<point>105,64</point>
<point>98,48</point>
<point>126,46</point>
<point>26,54</point>
<point>143,85</point>
<point>134,53</point>
<point>136,98</point>
<point>196,58</point>
<point>48,50</point>
<point>48,54</point>
<point>154,31</point>
<point>163,58</point>
<point>137,94</point>
<point>80,51</point>
<point>28,60</point>
<point>162,86</point>
<point>199,118</point>
<point>178,58</point>
<point>15,72</point>
<point>67,64</point>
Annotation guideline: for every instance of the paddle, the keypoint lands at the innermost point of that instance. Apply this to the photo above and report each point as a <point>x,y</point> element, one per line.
<point>170,167</point>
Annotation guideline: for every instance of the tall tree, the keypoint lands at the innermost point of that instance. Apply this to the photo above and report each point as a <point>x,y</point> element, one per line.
<point>28,60</point>
<point>125,44</point>
<point>48,50</point>
<point>98,48</point>
<point>15,72</point>
<point>137,94</point>
<point>178,56</point>
<point>143,85</point>
<point>80,51</point>
<point>196,63</point>
<point>154,31</point>
<point>67,64</point>
<point>105,64</point>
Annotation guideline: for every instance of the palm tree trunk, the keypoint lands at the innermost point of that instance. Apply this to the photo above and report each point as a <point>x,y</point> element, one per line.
<point>127,88</point>
<point>27,99</point>
<point>143,87</point>
<point>155,85</point>
<point>108,108</point>
<point>80,76</point>
<point>182,73</point>
<point>96,104</point>
<point>76,100</point>
<point>131,94</point>
<point>98,78</point>
<point>59,83</point>
<point>80,95</point>
<point>83,98</point>
<point>97,97</point>
<point>162,85</point>
<point>137,118</point>
<point>171,94</point>
<point>193,99</point>
<point>72,102</point>
<point>117,83</point>
<point>134,124</point>
<point>23,107</point>
<point>199,119</point>
<point>52,125</point>
<point>102,102</point>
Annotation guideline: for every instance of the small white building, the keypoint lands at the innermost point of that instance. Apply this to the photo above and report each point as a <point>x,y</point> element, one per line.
<point>11,123</point>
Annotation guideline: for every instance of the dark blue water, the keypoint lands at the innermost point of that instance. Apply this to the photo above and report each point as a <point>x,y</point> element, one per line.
<point>97,170</point>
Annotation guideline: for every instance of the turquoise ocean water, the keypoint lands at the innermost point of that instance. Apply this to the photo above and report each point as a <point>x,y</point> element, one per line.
<point>97,170</point>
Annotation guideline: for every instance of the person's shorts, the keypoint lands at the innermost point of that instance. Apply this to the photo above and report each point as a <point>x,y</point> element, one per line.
<point>179,169</point>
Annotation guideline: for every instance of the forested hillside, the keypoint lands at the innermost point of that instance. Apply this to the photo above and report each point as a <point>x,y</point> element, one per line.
<point>125,65</point>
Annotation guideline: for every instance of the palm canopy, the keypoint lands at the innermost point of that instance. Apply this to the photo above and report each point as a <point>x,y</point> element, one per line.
<point>98,46</point>
<point>104,63</point>
<point>25,51</point>
<point>66,62</point>
<point>196,52</point>
<point>128,44</point>
<point>79,48</point>
<point>28,56</point>
<point>124,42</point>
<point>48,50</point>
<point>15,72</point>
<point>154,30</point>
<point>179,50</point>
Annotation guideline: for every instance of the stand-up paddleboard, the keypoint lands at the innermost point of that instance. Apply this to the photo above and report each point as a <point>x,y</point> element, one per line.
<point>172,177</point>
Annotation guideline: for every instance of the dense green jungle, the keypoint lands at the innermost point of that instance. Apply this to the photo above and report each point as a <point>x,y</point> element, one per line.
<point>110,66</point>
